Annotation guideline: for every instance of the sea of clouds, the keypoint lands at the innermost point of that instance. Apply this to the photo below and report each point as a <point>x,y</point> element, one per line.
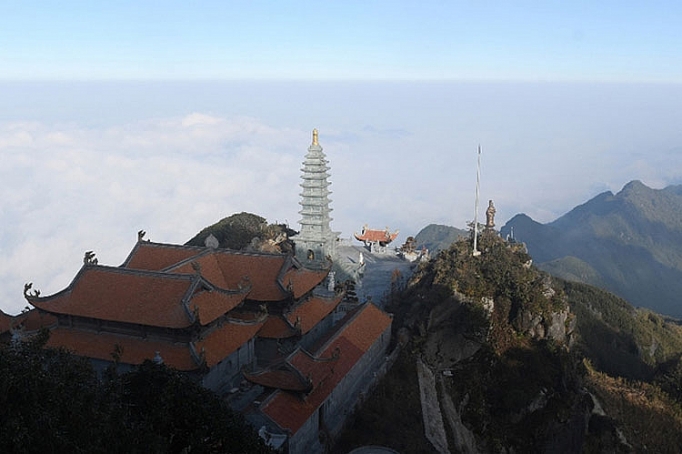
<point>77,178</point>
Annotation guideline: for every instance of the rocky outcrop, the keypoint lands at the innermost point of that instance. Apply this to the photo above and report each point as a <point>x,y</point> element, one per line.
<point>464,439</point>
<point>556,325</point>
<point>433,420</point>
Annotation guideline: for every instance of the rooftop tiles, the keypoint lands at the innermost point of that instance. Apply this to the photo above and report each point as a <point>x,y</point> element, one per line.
<point>328,367</point>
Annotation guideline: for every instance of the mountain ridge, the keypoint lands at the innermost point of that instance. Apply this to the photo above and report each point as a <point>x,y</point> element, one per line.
<point>631,240</point>
<point>521,362</point>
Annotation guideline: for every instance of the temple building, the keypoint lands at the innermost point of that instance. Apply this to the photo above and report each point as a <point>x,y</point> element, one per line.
<point>258,327</point>
<point>376,240</point>
<point>201,310</point>
<point>267,330</point>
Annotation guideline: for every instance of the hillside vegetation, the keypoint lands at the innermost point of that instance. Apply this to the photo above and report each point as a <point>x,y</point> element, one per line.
<point>435,237</point>
<point>523,362</point>
<point>246,231</point>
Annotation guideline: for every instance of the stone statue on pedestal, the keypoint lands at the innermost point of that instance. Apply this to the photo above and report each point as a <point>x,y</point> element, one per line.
<point>490,216</point>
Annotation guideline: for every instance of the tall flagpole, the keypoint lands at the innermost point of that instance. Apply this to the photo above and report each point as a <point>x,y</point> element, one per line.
<point>478,184</point>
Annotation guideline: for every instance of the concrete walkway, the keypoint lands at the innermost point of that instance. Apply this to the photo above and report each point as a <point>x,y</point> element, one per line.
<point>378,273</point>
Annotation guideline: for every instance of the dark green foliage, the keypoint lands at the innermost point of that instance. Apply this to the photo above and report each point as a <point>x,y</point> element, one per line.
<point>238,230</point>
<point>54,402</point>
<point>48,400</point>
<point>166,412</point>
<point>575,270</point>
<point>501,272</point>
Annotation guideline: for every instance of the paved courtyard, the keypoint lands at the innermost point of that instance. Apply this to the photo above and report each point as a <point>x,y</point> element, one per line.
<point>379,271</point>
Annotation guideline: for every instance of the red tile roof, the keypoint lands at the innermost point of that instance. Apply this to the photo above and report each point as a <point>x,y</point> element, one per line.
<point>34,320</point>
<point>271,276</point>
<point>211,304</point>
<point>27,322</point>
<point>302,280</point>
<point>171,286</point>
<point>156,256</point>
<point>288,378</point>
<point>208,267</point>
<point>228,269</point>
<point>225,340</point>
<point>118,294</point>
<point>372,235</point>
<point>291,410</point>
<point>214,347</point>
<point>133,294</point>
<point>311,311</point>
<point>363,328</point>
<point>276,327</point>
<point>332,362</point>
<point>133,350</point>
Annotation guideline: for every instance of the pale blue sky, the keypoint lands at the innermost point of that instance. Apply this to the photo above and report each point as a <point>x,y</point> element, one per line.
<point>168,116</point>
<point>461,40</point>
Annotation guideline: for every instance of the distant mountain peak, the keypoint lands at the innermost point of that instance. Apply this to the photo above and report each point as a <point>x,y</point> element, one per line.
<point>635,185</point>
<point>636,188</point>
<point>632,241</point>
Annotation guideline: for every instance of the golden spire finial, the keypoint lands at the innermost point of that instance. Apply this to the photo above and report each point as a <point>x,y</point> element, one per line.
<point>315,137</point>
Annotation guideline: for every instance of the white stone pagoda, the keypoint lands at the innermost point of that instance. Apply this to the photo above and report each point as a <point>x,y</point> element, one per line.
<point>316,243</point>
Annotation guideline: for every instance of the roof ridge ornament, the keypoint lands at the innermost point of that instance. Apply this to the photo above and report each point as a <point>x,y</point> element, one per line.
<point>89,258</point>
<point>28,294</point>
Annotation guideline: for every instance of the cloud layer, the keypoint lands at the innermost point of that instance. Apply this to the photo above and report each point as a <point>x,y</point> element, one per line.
<point>402,155</point>
<point>69,189</point>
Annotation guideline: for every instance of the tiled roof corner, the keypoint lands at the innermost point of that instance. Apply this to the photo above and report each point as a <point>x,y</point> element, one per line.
<point>209,304</point>
<point>311,311</point>
<point>123,295</point>
<point>277,327</point>
<point>285,377</point>
<point>146,255</point>
<point>225,340</point>
<point>132,350</point>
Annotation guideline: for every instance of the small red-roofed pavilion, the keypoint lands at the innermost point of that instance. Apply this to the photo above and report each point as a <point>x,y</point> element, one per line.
<point>374,239</point>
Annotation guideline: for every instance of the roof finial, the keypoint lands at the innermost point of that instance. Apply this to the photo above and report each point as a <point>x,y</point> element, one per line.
<point>315,142</point>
